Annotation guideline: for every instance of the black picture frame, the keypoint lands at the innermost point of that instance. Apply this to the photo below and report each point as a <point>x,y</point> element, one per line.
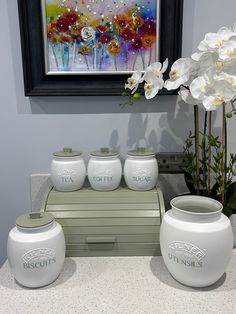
<point>37,83</point>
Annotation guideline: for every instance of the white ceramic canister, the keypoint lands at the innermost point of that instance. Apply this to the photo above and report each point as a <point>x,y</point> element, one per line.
<point>141,169</point>
<point>104,170</point>
<point>196,240</point>
<point>36,249</point>
<point>68,170</point>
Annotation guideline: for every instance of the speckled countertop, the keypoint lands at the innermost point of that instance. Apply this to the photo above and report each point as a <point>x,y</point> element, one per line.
<point>125,285</point>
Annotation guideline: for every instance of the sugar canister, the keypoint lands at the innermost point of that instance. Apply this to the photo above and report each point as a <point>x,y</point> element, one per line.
<point>36,249</point>
<point>68,170</point>
<point>104,170</point>
<point>141,169</point>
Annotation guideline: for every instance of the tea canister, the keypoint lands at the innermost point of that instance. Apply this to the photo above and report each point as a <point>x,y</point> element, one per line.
<point>141,169</point>
<point>196,240</point>
<point>104,170</point>
<point>68,170</point>
<point>36,249</point>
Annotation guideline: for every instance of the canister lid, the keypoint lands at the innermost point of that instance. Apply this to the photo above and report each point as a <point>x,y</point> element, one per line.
<point>67,152</point>
<point>104,152</point>
<point>34,220</point>
<point>141,151</point>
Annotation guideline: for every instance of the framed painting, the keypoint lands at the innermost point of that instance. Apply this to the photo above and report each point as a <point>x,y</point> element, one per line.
<point>90,47</point>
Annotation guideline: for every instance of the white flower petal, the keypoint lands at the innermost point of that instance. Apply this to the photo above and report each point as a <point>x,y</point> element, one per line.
<point>202,46</point>
<point>197,56</point>
<point>153,85</point>
<point>228,51</point>
<point>133,81</point>
<point>208,103</point>
<point>198,87</point>
<point>187,97</point>
<point>164,66</point>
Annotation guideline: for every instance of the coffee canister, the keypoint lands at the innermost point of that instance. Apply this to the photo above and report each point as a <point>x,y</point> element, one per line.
<point>196,240</point>
<point>36,249</point>
<point>68,170</point>
<point>104,170</point>
<point>141,169</point>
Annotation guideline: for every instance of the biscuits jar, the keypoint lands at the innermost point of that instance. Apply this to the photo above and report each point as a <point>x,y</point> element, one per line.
<point>36,249</point>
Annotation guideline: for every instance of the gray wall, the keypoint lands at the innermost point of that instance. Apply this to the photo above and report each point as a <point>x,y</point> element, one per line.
<point>32,128</point>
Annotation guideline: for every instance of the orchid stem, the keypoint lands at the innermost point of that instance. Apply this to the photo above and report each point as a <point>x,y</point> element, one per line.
<point>204,160</point>
<point>209,153</point>
<point>223,150</point>
<point>196,124</point>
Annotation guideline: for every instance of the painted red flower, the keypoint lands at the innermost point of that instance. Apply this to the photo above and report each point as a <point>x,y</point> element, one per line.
<point>127,34</point>
<point>71,17</point>
<point>102,28</point>
<point>62,24</point>
<point>149,27</point>
<point>137,43</point>
<point>105,39</point>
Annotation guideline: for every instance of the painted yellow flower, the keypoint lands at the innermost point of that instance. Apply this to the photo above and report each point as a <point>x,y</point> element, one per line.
<point>85,50</point>
<point>75,29</point>
<point>114,48</point>
<point>137,22</point>
<point>148,41</point>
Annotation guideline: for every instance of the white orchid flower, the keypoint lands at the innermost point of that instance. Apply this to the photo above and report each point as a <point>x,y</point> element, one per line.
<point>157,68</point>
<point>228,51</point>
<point>213,41</point>
<point>152,85</point>
<point>88,33</point>
<point>211,92</point>
<point>133,81</point>
<point>187,97</point>
<point>200,86</point>
<point>231,79</point>
<point>179,74</point>
<point>223,94</point>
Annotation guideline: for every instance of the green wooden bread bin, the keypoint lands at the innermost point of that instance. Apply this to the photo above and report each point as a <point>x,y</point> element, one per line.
<point>115,223</point>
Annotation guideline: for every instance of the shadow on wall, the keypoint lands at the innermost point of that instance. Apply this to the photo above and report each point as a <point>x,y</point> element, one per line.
<point>172,127</point>
<point>97,105</point>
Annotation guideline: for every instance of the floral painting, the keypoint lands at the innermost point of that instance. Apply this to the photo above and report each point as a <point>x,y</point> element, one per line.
<point>100,35</point>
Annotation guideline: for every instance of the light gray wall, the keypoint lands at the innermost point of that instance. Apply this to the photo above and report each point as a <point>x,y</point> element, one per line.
<point>32,128</point>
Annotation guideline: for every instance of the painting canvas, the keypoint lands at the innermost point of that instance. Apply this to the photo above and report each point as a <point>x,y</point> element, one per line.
<point>100,36</point>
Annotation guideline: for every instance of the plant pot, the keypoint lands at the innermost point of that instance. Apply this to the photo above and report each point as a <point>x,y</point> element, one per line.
<point>232,219</point>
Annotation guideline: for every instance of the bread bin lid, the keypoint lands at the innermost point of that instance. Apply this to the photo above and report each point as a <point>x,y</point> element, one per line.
<point>34,220</point>
<point>67,152</point>
<point>104,152</point>
<point>141,152</point>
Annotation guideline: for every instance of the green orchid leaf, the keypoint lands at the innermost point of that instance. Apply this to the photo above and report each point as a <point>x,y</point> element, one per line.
<point>230,201</point>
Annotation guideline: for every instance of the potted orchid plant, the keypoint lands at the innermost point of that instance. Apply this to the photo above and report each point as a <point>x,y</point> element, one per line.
<point>205,80</point>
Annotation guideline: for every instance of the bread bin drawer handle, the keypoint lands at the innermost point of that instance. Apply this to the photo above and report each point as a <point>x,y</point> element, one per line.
<point>101,239</point>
